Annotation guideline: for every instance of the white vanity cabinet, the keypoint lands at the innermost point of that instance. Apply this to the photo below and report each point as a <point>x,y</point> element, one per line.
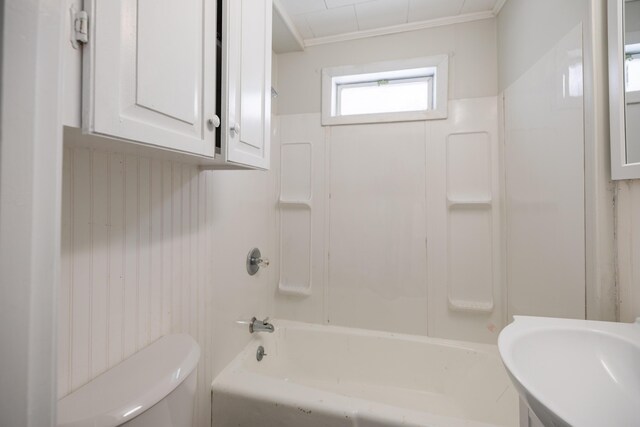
<point>156,74</point>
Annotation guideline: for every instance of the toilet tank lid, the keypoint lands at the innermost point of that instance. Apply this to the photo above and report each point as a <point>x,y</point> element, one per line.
<point>133,386</point>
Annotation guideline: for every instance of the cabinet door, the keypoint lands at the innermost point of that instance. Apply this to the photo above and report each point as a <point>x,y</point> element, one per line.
<point>248,82</point>
<point>149,72</point>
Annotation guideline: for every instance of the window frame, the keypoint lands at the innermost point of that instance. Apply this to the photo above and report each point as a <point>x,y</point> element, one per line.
<point>434,67</point>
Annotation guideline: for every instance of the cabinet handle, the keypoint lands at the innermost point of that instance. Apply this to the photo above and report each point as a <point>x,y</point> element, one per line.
<point>214,121</point>
<point>235,129</point>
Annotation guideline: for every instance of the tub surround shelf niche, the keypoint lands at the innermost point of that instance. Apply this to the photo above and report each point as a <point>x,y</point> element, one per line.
<point>294,290</point>
<point>295,257</point>
<point>469,204</point>
<point>471,306</point>
<point>462,305</point>
<point>470,223</point>
<point>295,203</point>
<point>296,218</point>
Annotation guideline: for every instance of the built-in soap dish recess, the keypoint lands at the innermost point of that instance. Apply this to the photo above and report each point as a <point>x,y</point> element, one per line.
<point>255,261</point>
<point>296,206</point>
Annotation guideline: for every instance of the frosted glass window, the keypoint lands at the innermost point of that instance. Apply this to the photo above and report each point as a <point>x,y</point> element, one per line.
<point>385,96</point>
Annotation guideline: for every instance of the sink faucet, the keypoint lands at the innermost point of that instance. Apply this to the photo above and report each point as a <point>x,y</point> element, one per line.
<point>260,325</point>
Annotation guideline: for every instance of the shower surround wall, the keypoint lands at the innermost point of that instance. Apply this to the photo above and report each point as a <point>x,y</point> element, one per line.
<point>544,159</point>
<point>559,205</point>
<point>381,247</point>
<point>379,241</point>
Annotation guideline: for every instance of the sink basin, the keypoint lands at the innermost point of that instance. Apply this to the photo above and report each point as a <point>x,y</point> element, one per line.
<point>575,372</point>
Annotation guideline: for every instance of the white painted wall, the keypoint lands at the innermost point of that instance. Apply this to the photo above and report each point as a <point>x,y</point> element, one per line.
<point>473,62</point>
<point>30,182</point>
<point>152,246</point>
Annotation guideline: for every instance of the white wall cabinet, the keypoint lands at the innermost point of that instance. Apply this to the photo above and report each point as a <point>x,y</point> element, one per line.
<point>246,82</point>
<point>149,74</point>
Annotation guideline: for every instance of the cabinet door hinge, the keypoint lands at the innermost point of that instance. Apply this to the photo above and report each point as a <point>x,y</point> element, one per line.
<point>79,27</point>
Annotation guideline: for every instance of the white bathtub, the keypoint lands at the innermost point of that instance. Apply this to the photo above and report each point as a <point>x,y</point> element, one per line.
<point>330,376</point>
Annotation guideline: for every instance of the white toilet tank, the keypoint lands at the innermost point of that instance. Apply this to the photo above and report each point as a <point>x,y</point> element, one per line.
<point>155,387</point>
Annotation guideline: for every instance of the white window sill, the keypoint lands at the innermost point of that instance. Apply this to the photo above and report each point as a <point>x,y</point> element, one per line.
<point>409,116</point>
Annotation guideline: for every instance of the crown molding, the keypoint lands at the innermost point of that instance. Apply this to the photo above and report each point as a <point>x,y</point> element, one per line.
<point>498,7</point>
<point>411,26</point>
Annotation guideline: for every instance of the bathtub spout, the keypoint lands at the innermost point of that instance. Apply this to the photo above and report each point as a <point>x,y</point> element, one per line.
<point>260,325</point>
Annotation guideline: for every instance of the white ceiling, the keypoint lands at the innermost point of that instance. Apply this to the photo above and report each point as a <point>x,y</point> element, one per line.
<point>321,18</point>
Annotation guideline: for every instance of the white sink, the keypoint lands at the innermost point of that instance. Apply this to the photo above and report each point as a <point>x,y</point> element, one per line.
<point>575,372</point>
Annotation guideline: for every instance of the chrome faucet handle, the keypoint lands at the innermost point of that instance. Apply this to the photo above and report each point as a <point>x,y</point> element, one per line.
<point>266,320</point>
<point>255,261</point>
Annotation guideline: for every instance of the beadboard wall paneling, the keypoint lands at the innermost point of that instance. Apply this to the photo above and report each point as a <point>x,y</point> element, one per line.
<point>628,245</point>
<point>136,264</point>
